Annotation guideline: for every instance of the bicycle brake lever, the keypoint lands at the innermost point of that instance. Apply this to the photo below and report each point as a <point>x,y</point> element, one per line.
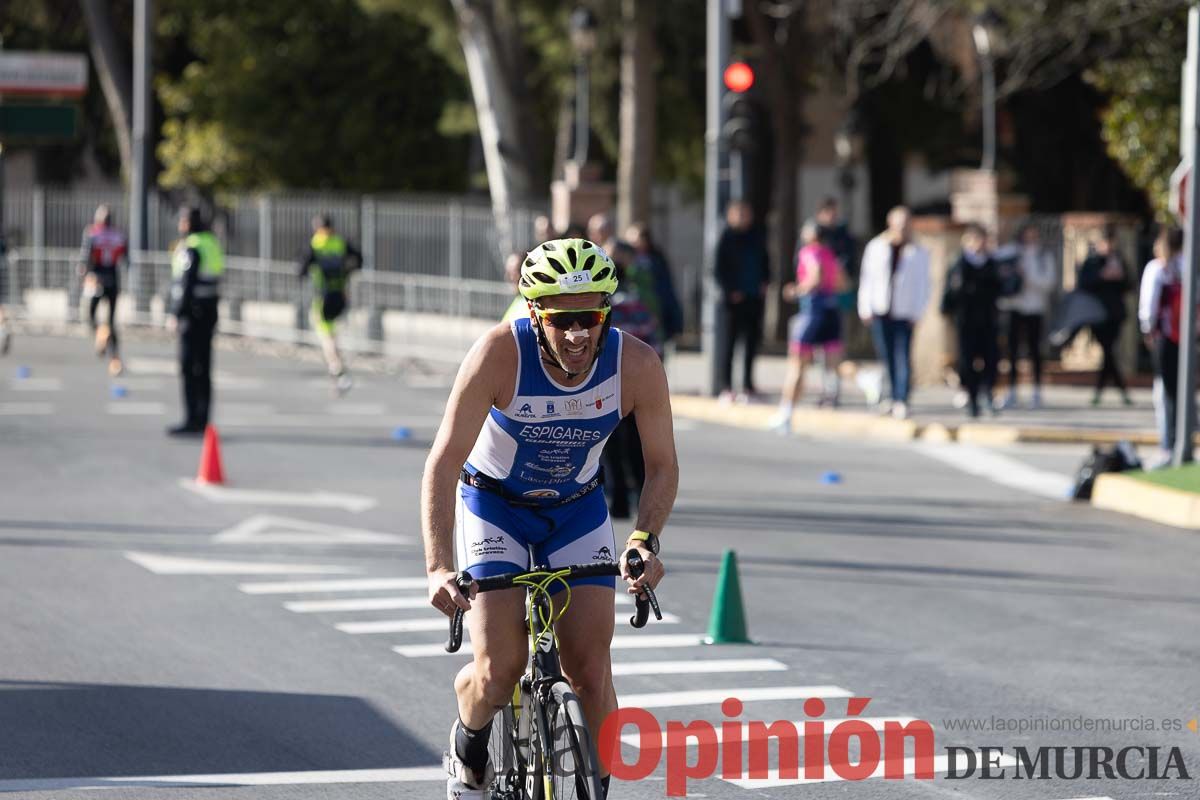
<point>463,581</point>
<point>647,599</point>
<point>456,631</point>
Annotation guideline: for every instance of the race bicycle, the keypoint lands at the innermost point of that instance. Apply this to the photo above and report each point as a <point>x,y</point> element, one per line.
<point>540,746</point>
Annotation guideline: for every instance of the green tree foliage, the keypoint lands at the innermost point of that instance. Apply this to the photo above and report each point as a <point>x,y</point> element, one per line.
<point>1140,126</point>
<point>305,95</point>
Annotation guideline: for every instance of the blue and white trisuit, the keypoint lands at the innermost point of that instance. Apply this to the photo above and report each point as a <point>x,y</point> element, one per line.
<point>543,448</point>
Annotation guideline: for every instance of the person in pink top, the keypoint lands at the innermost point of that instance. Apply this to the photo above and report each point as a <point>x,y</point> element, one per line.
<point>818,326</point>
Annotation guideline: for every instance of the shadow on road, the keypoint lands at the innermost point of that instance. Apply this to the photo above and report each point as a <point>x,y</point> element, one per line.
<point>61,730</point>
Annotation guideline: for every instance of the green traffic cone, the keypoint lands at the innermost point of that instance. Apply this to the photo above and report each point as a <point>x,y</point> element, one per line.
<point>727,623</point>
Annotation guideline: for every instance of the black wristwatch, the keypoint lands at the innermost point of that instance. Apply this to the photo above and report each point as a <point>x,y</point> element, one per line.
<point>646,538</point>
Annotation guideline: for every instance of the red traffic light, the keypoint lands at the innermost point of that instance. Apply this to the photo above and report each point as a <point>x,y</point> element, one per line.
<point>739,77</point>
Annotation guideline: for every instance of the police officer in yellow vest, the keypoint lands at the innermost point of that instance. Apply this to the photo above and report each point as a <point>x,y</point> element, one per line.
<point>196,268</point>
<point>328,259</point>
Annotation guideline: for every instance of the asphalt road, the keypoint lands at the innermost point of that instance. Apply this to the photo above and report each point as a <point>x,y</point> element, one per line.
<point>152,634</point>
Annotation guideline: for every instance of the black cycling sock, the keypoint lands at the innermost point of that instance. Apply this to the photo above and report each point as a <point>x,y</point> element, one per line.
<point>604,784</point>
<point>471,746</point>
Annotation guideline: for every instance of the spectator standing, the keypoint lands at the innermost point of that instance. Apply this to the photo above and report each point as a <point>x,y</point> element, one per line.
<point>104,248</point>
<point>1159,305</point>
<point>1104,275</point>
<point>833,230</point>
<point>743,273</point>
<point>818,326</point>
<point>650,259</point>
<point>512,273</point>
<point>1027,310</point>
<point>624,467</point>
<point>893,291</point>
<point>972,291</point>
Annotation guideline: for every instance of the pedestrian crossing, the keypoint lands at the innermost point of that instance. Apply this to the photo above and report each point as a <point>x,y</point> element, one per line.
<point>657,685</point>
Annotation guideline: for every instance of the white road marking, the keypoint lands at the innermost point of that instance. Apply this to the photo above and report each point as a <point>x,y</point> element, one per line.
<point>26,409</point>
<point>429,381</point>
<point>358,409</point>
<point>153,366</point>
<point>876,723</point>
<point>263,528</point>
<point>701,697</point>
<point>940,764</point>
<point>220,494</point>
<point>249,409</point>
<point>433,624</point>
<point>134,409</point>
<point>37,385</point>
<point>327,421</point>
<point>348,585</point>
<point>998,468</point>
<point>679,425</point>
<point>697,667</point>
<point>633,642</point>
<point>357,604</point>
<point>178,565</point>
<point>397,775</point>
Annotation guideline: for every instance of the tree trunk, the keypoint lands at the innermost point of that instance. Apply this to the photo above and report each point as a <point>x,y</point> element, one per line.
<point>783,79</point>
<point>496,108</point>
<point>116,77</point>
<point>635,167</point>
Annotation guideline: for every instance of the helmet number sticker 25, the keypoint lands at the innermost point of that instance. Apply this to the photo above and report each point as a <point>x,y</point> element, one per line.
<point>574,279</point>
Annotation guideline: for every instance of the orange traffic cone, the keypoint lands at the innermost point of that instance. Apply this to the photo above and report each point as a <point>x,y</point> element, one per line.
<point>210,459</point>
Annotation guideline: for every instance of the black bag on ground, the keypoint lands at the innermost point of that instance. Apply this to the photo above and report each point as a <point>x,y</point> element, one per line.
<point>1118,458</point>
<point>333,303</point>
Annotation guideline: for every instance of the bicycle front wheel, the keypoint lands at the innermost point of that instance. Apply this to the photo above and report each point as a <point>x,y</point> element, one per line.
<point>573,766</point>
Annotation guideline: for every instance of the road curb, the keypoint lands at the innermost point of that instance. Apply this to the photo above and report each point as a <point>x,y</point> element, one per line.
<point>859,424</point>
<point>1114,492</point>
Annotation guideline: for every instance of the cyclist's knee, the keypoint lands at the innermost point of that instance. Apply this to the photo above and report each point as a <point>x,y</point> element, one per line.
<point>498,674</point>
<point>590,673</point>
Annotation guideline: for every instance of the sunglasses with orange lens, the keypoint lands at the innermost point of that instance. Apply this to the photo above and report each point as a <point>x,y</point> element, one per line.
<point>565,318</point>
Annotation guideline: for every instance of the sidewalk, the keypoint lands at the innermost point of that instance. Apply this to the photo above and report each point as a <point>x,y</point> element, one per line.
<point>1067,415</point>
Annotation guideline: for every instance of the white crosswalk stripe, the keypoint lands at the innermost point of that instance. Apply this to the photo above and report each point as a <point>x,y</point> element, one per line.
<point>773,779</point>
<point>357,604</point>
<point>633,642</point>
<point>694,667</point>
<point>430,624</point>
<point>352,585</point>
<point>744,736</point>
<point>701,697</point>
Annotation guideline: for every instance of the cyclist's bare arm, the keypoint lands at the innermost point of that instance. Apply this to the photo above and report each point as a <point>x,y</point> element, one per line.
<point>486,376</point>
<point>644,383</point>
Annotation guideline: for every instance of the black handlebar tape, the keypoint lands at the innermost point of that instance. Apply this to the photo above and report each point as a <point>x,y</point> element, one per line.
<point>641,605</point>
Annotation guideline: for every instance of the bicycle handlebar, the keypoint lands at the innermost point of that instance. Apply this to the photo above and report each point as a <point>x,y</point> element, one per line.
<point>644,603</point>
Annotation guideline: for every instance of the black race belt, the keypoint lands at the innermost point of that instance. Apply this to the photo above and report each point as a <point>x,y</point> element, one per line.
<point>487,483</point>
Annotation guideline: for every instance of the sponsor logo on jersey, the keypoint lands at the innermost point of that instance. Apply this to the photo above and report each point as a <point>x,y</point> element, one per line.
<point>549,406</point>
<point>603,554</point>
<point>541,493</point>
<point>599,403</point>
<point>573,405</point>
<point>525,411</point>
<point>558,433</point>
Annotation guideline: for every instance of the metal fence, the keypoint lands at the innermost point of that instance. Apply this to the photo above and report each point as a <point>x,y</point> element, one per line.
<point>269,298</point>
<point>412,234</point>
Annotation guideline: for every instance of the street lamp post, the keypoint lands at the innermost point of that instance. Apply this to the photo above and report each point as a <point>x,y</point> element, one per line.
<point>984,33</point>
<point>583,39</point>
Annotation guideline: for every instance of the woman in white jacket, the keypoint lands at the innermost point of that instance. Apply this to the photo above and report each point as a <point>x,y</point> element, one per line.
<point>893,291</point>
<point>1027,310</point>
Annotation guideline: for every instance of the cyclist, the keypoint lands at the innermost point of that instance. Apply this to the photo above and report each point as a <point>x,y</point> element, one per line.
<point>516,464</point>
<point>329,259</point>
<point>103,248</point>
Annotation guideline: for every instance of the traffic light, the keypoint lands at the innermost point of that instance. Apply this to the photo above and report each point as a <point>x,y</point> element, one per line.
<point>738,130</point>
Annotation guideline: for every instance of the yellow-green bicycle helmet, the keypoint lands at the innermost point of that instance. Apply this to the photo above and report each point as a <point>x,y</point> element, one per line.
<point>566,266</point>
